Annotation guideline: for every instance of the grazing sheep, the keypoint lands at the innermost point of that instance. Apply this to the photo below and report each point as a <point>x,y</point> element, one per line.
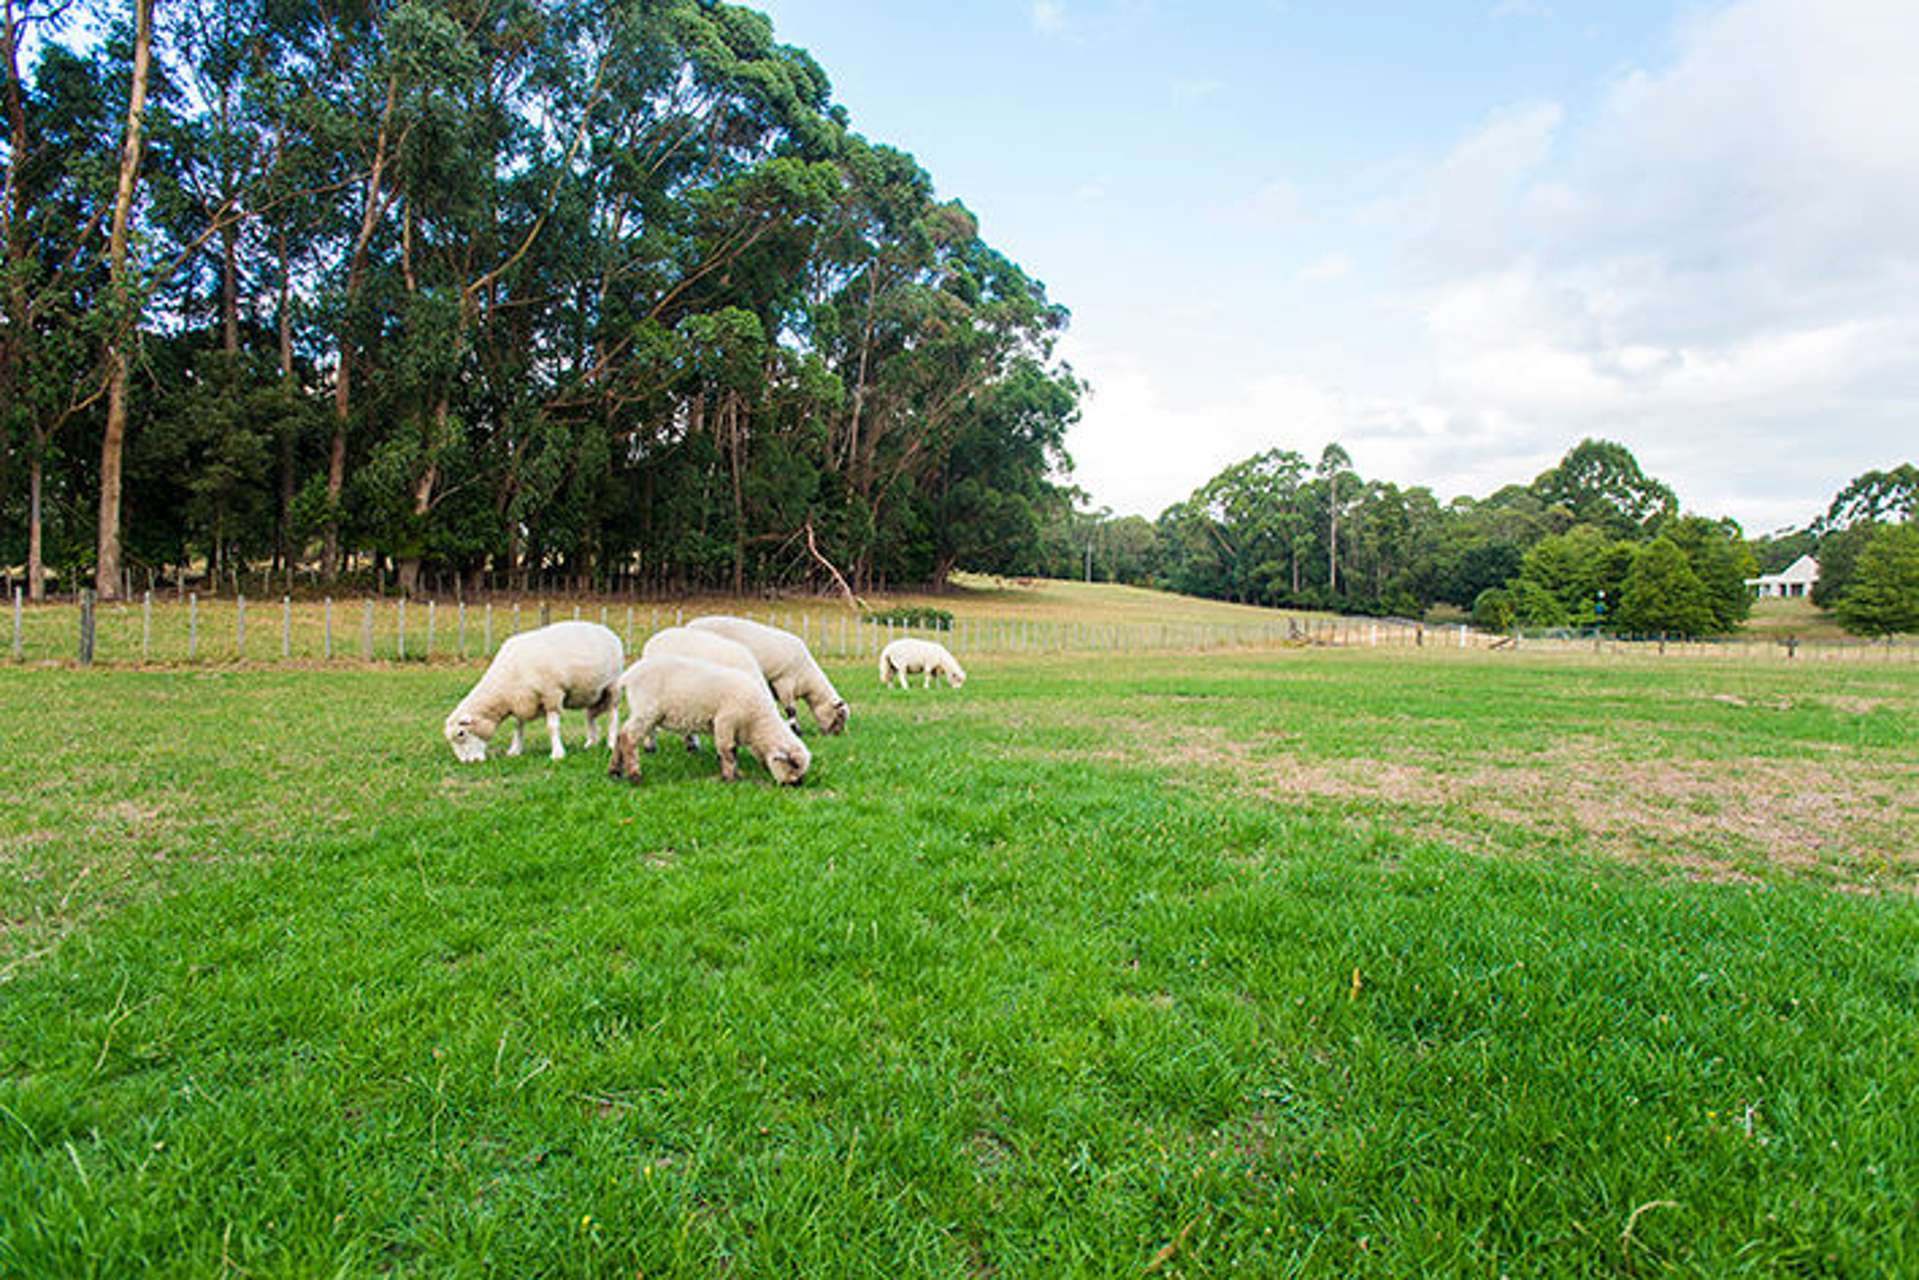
<point>569,664</point>
<point>707,646</point>
<point>688,695</point>
<point>910,654</point>
<point>788,665</point>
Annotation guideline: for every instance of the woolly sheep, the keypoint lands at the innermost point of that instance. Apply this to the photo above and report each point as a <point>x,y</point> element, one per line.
<point>688,695</point>
<point>707,646</point>
<point>569,664</point>
<point>910,654</point>
<point>788,665</point>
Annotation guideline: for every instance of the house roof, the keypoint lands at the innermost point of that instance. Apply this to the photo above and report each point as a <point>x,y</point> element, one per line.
<point>1804,569</point>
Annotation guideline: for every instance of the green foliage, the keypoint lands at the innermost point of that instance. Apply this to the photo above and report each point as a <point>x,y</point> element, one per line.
<point>1838,556</point>
<point>1600,483</point>
<point>603,290</point>
<point>1883,595</point>
<point>1663,595</point>
<point>1493,610</point>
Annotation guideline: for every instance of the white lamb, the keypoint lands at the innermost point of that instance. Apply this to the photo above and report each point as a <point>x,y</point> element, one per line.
<point>910,654</point>
<point>707,646</point>
<point>788,665</point>
<point>687,695</point>
<point>569,664</point>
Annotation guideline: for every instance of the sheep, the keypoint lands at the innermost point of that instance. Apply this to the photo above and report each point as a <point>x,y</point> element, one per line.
<point>688,695</point>
<point>569,664</point>
<point>708,646</point>
<point>909,654</point>
<point>788,665</point>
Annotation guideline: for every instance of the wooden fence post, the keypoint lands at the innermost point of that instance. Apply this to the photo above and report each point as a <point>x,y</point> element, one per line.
<point>240,627</point>
<point>17,593</point>
<point>430,604</point>
<point>326,623</point>
<point>402,610</point>
<point>286,626</point>
<point>366,631</point>
<point>86,625</point>
<point>193,624</point>
<point>146,624</point>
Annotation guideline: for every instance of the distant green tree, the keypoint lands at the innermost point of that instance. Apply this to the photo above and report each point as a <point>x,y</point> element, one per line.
<point>1600,482</point>
<point>1884,595</point>
<point>1718,554</point>
<point>1534,606</point>
<point>1663,594</point>
<point>1875,497</point>
<point>1838,552</point>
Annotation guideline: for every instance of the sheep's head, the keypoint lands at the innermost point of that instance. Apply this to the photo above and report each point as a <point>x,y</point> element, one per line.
<point>467,734</point>
<point>954,676</point>
<point>788,762</point>
<point>833,717</point>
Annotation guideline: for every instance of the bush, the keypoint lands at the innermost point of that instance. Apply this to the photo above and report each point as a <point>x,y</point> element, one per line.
<point>1493,610</point>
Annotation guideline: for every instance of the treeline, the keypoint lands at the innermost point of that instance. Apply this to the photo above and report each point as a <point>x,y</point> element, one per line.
<point>1591,541</point>
<point>495,287</point>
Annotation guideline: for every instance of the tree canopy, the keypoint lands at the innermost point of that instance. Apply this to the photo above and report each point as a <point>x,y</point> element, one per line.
<point>503,286</point>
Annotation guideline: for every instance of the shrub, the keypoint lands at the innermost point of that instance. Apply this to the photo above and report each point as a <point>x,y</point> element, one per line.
<point>924,617</point>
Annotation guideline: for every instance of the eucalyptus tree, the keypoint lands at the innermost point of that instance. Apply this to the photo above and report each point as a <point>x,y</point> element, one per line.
<point>54,204</point>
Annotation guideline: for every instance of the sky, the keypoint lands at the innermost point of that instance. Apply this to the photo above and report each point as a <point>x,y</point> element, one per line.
<point>1455,237</point>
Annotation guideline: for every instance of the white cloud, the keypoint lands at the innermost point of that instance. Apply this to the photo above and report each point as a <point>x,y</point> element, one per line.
<point>1715,263</point>
<point>1049,17</point>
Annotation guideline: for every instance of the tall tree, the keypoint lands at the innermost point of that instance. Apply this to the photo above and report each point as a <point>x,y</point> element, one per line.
<point>124,292</point>
<point>1883,597</point>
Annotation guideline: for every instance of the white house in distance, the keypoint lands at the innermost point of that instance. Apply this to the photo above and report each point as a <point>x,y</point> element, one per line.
<point>1794,581</point>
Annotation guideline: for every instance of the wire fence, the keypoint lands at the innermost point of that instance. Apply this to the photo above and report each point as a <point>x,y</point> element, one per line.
<point>166,630</point>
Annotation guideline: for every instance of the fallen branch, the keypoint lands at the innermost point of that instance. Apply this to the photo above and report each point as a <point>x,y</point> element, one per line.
<point>852,601</point>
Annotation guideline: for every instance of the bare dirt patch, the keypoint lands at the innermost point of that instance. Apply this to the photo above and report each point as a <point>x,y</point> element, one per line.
<point>1721,820</point>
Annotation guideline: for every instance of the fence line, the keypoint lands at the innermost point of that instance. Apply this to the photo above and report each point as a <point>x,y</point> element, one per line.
<point>161,631</point>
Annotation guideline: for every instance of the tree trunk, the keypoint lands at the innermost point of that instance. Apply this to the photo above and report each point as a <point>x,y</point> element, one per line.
<point>113,441</point>
<point>409,564</point>
<point>370,213</point>
<point>36,565</point>
<point>1332,535</point>
<point>284,535</point>
<point>230,289</point>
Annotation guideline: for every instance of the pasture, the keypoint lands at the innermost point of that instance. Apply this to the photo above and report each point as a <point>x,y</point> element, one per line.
<point>1308,962</point>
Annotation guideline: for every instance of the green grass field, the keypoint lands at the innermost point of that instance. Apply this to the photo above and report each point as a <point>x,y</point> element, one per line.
<point>1316,962</point>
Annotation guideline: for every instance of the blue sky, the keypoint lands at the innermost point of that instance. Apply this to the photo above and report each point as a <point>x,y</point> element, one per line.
<point>1455,237</point>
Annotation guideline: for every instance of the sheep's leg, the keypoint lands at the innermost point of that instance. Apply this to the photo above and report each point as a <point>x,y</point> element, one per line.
<point>626,762</point>
<point>519,742</point>
<point>592,726</point>
<point>612,714</point>
<point>723,740</point>
<point>553,733</point>
<point>929,679</point>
